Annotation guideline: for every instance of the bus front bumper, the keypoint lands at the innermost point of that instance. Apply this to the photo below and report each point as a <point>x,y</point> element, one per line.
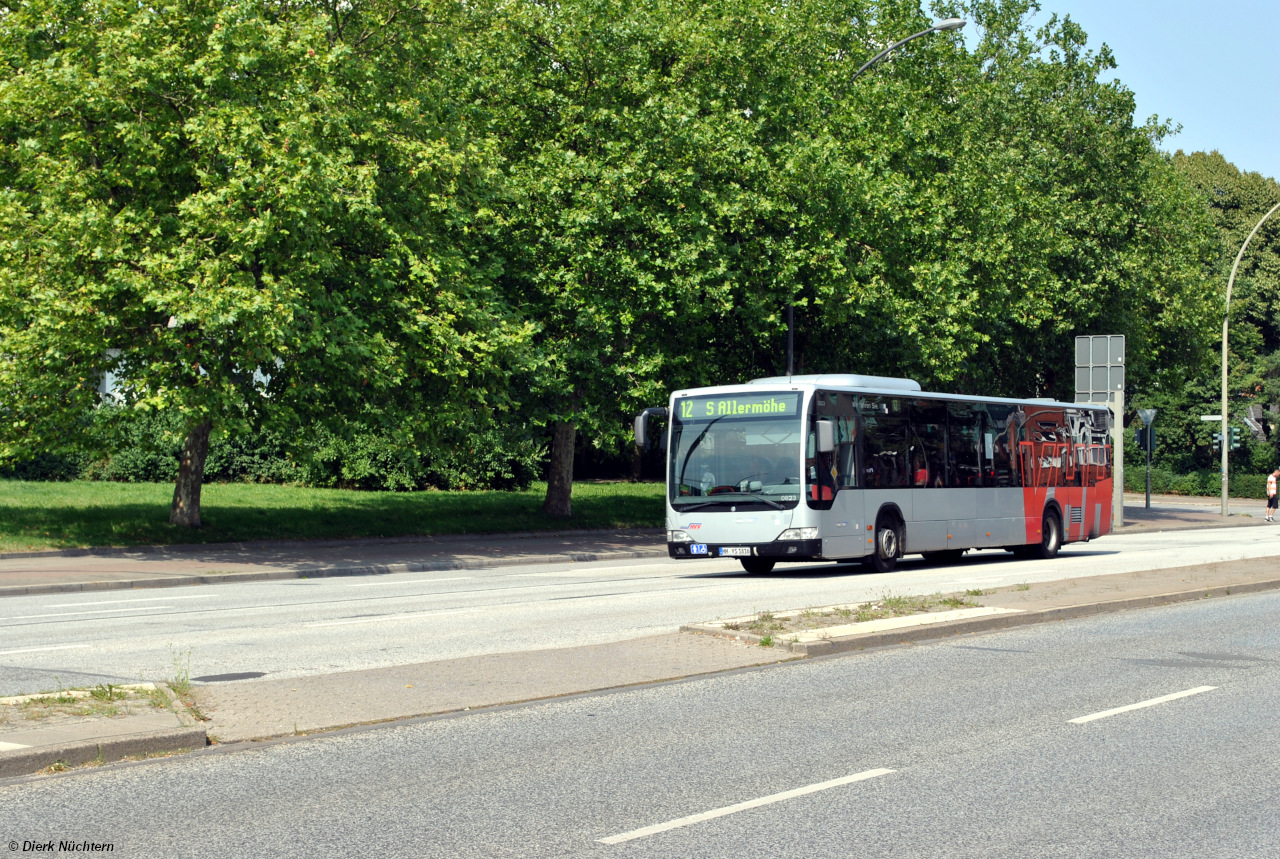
<point>778,550</point>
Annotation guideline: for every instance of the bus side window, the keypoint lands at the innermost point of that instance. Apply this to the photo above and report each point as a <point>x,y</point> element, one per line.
<point>928,456</point>
<point>1000,452</point>
<point>964,445</point>
<point>886,442</point>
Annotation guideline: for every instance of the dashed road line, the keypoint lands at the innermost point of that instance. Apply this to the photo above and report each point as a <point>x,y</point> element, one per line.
<point>742,806</point>
<point>392,617</point>
<point>84,613</point>
<point>1151,703</point>
<point>410,582</point>
<point>44,649</point>
<point>148,599</point>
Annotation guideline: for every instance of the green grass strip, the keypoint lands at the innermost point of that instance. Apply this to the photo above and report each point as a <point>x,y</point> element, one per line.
<point>35,516</point>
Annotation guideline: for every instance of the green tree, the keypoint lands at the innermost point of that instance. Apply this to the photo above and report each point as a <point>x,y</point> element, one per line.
<point>683,172</point>
<point>245,211</point>
<point>642,144</point>
<point>1012,203</point>
<point>1235,201</point>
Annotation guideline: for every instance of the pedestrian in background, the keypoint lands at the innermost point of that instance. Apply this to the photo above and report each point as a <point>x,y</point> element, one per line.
<point>1271,495</point>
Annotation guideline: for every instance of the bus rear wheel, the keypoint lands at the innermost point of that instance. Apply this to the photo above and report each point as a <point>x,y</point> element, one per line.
<point>888,545</point>
<point>757,566</point>
<point>1050,537</point>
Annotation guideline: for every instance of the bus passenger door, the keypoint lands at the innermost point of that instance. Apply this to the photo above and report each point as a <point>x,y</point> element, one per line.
<point>841,524</point>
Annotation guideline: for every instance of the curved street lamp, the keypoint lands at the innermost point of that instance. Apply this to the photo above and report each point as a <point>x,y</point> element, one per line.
<point>1226,315</point>
<point>938,27</point>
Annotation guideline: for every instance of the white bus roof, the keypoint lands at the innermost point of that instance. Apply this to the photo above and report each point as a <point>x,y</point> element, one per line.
<point>873,385</point>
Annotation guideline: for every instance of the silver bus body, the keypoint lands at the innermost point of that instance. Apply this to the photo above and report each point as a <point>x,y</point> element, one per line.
<point>843,467</point>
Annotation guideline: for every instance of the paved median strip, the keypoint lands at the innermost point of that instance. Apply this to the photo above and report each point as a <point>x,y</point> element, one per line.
<point>1141,704</point>
<point>742,806</point>
<point>892,623</point>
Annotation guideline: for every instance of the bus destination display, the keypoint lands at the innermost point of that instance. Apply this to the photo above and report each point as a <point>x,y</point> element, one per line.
<point>742,405</point>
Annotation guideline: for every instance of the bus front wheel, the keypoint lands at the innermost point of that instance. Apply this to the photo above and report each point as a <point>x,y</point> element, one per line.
<point>757,566</point>
<point>888,545</point>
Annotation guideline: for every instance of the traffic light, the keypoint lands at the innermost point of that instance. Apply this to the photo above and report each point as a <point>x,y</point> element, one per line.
<point>1235,437</point>
<point>1144,438</point>
<point>1217,439</point>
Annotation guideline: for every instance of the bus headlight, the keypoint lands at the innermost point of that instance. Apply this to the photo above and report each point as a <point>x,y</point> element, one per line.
<point>799,534</point>
<point>679,537</point>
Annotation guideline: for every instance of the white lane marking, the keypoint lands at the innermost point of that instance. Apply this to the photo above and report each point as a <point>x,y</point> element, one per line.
<point>82,613</point>
<point>742,806</point>
<point>11,747</point>
<point>547,575</point>
<point>43,649</point>
<point>410,582</point>
<point>387,617</point>
<point>114,602</point>
<point>1151,703</point>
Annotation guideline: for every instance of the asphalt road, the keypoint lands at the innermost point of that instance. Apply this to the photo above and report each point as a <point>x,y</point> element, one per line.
<point>953,748</point>
<point>305,627</point>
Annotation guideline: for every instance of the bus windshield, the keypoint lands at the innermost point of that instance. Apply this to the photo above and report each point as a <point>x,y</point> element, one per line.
<point>737,449</point>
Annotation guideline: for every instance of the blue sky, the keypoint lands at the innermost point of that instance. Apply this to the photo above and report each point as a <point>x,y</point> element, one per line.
<point>1213,67</point>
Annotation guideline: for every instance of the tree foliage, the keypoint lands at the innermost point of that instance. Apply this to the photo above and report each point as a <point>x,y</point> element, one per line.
<point>415,217</point>
<point>683,171</point>
<point>1234,201</point>
<point>241,210</point>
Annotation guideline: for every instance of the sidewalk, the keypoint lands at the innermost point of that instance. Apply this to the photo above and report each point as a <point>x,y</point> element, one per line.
<point>242,711</point>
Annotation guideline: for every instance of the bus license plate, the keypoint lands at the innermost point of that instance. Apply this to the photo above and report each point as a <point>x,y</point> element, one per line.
<point>698,549</point>
<point>735,551</point>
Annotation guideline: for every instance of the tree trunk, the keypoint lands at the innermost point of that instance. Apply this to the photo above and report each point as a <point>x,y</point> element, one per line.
<point>186,492</point>
<point>560,480</point>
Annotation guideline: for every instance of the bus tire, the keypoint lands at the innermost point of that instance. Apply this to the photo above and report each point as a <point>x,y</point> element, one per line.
<point>887,548</point>
<point>1050,537</point>
<point>757,566</point>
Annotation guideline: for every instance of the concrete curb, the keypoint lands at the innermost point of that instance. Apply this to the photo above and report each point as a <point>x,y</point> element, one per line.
<point>327,572</point>
<point>119,551</point>
<point>22,762</point>
<point>949,629</point>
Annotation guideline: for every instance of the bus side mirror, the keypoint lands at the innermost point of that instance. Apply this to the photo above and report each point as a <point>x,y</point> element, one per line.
<point>642,426</point>
<point>826,436</point>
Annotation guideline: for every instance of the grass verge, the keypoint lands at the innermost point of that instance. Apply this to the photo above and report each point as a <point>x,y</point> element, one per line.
<point>771,625</point>
<point>78,514</point>
<point>101,701</point>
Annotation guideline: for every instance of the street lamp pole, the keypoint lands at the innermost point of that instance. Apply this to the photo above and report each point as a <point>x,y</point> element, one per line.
<point>944,24</point>
<point>1226,315</point>
<point>938,27</point>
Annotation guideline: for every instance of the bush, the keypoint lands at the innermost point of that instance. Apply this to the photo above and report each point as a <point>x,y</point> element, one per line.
<point>1204,482</point>
<point>363,460</point>
<point>488,460</point>
<point>46,467</point>
<point>255,457</point>
<point>134,447</point>
<point>144,448</point>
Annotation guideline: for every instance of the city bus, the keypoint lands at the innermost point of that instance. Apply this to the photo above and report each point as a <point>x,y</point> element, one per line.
<point>843,467</point>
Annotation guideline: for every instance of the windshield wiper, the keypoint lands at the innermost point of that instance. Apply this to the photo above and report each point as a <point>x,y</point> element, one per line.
<point>731,499</point>
<point>774,504</point>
